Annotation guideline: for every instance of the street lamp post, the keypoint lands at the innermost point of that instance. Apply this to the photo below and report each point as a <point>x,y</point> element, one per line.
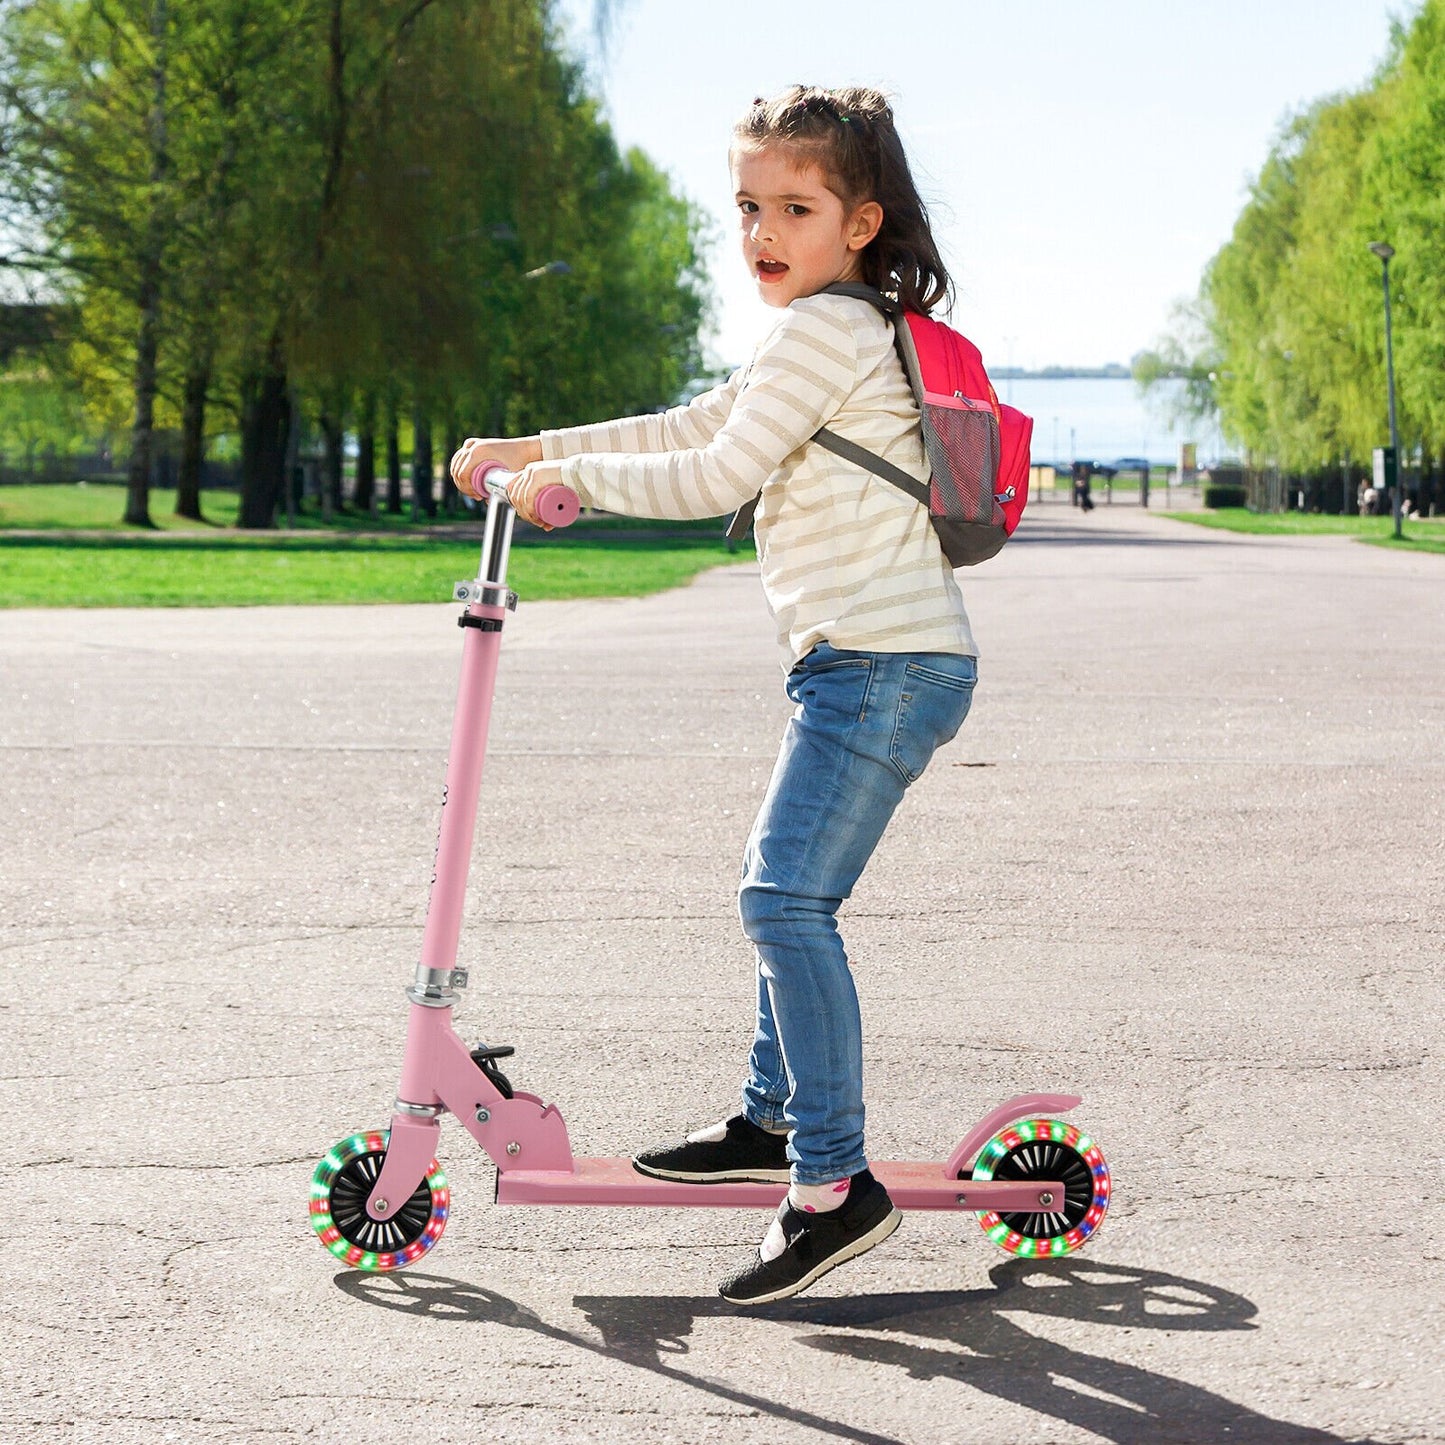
<point>1384,251</point>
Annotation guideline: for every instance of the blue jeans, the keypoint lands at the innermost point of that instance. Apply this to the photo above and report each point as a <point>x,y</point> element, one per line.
<point>865,727</point>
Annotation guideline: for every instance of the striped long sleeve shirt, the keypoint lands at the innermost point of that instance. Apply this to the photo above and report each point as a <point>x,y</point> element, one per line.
<point>846,557</point>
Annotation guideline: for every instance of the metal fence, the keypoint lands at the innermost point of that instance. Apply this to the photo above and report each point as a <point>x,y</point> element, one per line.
<point>1342,489</point>
<point>1129,487</point>
<point>49,469</point>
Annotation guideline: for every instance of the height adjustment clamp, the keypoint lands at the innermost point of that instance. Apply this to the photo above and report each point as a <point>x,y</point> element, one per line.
<point>486,593</point>
<point>436,987</point>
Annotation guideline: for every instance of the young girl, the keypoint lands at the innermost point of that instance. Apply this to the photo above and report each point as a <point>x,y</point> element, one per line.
<point>880,661</point>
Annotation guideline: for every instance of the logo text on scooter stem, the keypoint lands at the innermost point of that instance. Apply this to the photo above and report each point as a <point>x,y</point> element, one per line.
<point>437,852</point>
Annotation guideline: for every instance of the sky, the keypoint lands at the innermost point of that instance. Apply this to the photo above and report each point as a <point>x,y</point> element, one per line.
<point>1082,159</point>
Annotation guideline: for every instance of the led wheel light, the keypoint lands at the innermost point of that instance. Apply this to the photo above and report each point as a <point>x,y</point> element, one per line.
<point>340,1187</point>
<point>1045,1149</point>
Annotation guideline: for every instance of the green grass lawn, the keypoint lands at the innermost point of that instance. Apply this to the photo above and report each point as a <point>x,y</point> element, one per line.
<point>359,560</point>
<point>1419,536</point>
<point>237,572</point>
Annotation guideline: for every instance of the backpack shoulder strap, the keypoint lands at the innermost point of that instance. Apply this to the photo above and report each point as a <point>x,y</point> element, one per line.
<point>742,519</point>
<point>859,292</point>
<point>872,462</point>
<point>908,355</point>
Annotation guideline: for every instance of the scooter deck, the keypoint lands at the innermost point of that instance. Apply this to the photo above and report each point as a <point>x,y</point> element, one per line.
<point>912,1184</point>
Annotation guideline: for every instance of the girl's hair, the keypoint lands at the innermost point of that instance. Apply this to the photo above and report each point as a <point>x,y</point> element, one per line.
<point>850,136</point>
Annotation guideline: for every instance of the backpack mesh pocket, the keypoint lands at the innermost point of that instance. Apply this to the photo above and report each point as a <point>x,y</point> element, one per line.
<point>962,442</point>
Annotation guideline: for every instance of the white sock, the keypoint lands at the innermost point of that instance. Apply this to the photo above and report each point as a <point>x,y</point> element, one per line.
<point>807,1199</point>
<point>818,1198</point>
<point>774,1242</point>
<point>713,1134</point>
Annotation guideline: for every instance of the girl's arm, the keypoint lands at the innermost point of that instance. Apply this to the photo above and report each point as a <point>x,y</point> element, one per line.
<point>799,379</point>
<point>692,425</point>
<point>677,429</point>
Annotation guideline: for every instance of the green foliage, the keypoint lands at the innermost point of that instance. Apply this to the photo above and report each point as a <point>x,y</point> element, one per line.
<point>38,414</point>
<point>1406,178</point>
<point>1267,323</point>
<point>346,197</point>
<point>1178,378</point>
<point>1292,305</point>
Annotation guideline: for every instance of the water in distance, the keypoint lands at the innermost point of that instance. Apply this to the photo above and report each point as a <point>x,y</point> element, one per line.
<point>1103,420</point>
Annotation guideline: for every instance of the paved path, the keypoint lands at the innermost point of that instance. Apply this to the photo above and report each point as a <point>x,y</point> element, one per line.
<point>1185,858</point>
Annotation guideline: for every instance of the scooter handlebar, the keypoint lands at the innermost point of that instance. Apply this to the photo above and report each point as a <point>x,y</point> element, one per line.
<point>556,505</point>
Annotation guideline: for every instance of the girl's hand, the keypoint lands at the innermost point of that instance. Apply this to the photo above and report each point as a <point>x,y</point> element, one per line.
<point>523,493</point>
<point>513,453</point>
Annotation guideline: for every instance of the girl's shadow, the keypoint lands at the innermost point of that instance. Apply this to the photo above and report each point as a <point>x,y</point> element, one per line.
<point>964,1335</point>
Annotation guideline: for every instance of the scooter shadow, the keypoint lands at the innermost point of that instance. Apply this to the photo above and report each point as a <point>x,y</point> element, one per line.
<point>976,1337</point>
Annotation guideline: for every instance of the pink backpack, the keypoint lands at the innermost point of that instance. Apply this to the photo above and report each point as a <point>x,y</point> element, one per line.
<point>978,449</point>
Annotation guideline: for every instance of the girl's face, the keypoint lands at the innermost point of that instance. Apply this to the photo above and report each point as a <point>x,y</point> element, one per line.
<point>797,236</point>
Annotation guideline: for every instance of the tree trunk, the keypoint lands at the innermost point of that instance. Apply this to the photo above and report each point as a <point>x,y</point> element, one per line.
<point>138,482</point>
<point>293,475</point>
<point>331,464</point>
<point>393,464</point>
<point>451,498</point>
<point>423,500</point>
<point>193,440</point>
<point>265,420</point>
<point>363,495</point>
<point>138,479</point>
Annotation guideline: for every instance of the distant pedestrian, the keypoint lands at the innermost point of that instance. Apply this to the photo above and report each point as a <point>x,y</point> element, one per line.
<point>1083,485</point>
<point>880,658</point>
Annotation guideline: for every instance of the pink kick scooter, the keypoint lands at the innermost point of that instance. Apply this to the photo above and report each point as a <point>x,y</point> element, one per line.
<point>379,1199</point>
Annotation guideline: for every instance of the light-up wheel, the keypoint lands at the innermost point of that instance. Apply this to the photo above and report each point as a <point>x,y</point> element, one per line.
<point>1045,1149</point>
<point>339,1190</point>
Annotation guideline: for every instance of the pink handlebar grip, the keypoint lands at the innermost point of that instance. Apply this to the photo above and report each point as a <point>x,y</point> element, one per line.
<point>557,505</point>
<point>484,470</point>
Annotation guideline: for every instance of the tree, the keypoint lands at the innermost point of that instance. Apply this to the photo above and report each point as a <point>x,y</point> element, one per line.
<point>1292,301</point>
<point>309,211</point>
<point>122,132</point>
<point>86,156</point>
<point>1179,377</point>
<point>1404,180</point>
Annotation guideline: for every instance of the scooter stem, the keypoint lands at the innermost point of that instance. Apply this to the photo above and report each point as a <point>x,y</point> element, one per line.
<point>487,607</point>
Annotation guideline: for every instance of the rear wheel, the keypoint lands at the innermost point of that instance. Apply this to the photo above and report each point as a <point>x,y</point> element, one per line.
<point>340,1187</point>
<point>1045,1149</point>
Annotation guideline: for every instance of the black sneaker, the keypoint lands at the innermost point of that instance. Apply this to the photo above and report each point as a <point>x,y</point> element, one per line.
<point>736,1152</point>
<point>816,1244</point>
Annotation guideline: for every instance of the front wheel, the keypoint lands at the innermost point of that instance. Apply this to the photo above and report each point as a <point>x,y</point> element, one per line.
<point>1046,1149</point>
<point>339,1190</point>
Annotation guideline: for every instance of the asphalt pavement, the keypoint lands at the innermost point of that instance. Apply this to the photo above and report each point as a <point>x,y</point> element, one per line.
<point>1186,859</point>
